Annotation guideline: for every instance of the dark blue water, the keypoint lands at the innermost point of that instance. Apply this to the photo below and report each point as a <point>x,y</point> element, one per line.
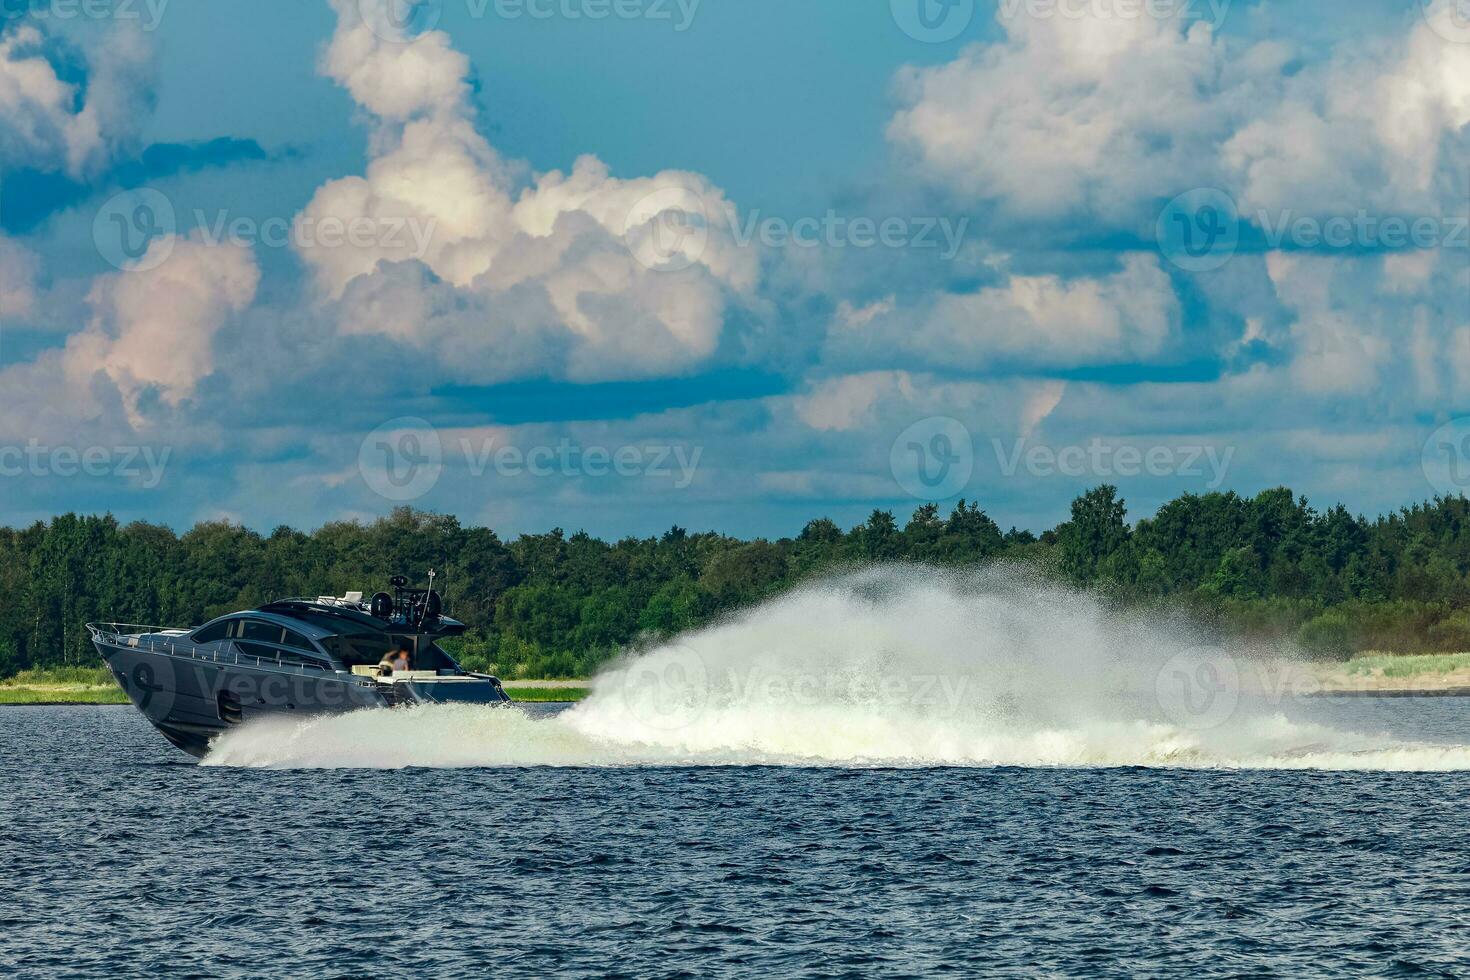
<point>123,858</point>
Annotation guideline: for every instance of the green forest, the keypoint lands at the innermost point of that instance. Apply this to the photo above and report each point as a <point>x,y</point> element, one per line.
<point>558,604</point>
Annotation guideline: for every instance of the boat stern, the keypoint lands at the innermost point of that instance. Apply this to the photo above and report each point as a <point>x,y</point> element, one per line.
<point>421,688</point>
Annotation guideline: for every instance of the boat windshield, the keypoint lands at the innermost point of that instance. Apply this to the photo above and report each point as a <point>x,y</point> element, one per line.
<point>368,650</point>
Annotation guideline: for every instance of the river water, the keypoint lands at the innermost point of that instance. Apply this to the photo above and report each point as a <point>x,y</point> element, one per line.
<point>124,858</point>
<point>898,773</point>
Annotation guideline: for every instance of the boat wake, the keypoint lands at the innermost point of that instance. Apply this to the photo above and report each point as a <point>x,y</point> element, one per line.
<point>889,667</point>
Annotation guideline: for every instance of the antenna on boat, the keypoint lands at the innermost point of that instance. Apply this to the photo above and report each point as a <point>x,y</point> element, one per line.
<point>424,609</point>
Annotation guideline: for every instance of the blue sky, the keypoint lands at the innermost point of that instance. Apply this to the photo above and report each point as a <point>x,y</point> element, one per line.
<point>657,235</point>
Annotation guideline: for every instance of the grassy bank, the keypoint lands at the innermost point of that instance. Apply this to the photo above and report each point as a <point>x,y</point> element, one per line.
<point>543,695</point>
<point>94,685</point>
<point>1410,665</point>
<point>62,685</point>
<point>1370,672</point>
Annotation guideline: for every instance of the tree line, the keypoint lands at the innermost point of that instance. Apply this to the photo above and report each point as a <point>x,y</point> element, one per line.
<point>558,604</point>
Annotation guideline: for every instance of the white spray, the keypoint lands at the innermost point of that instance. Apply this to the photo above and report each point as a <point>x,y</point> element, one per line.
<point>886,667</point>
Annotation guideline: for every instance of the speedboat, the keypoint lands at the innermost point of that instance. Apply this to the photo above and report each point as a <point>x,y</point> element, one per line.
<point>291,657</point>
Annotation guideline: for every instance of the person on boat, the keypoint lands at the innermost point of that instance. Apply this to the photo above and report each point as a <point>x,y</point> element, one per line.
<point>402,660</point>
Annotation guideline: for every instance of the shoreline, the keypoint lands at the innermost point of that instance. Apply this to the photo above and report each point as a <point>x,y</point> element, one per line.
<point>63,704</point>
<point>27,697</point>
<point>125,704</point>
<point>545,685</point>
<point>1394,692</point>
<point>570,694</point>
<point>1368,675</point>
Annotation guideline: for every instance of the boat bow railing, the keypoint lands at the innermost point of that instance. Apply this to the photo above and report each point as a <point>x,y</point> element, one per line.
<point>163,640</point>
<point>124,630</point>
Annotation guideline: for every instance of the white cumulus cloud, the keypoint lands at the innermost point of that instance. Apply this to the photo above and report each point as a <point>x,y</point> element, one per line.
<point>579,275</point>
<point>1027,321</point>
<point>19,270</point>
<point>1099,116</point>
<point>153,331</point>
<point>48,121</point>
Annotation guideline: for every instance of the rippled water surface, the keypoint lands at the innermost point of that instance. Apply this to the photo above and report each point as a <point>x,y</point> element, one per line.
<point>122,857</point>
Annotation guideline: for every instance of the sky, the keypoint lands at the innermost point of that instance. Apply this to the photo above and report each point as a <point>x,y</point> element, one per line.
<point>617,265</point>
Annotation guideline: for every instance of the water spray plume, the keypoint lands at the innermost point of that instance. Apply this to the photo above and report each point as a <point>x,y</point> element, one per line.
<point>889,667</point>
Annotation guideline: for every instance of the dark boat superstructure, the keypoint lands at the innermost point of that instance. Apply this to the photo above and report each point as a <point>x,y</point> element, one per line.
<point>292,657</point>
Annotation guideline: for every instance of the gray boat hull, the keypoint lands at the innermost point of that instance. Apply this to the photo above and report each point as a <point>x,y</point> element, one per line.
<point>191,699</point>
